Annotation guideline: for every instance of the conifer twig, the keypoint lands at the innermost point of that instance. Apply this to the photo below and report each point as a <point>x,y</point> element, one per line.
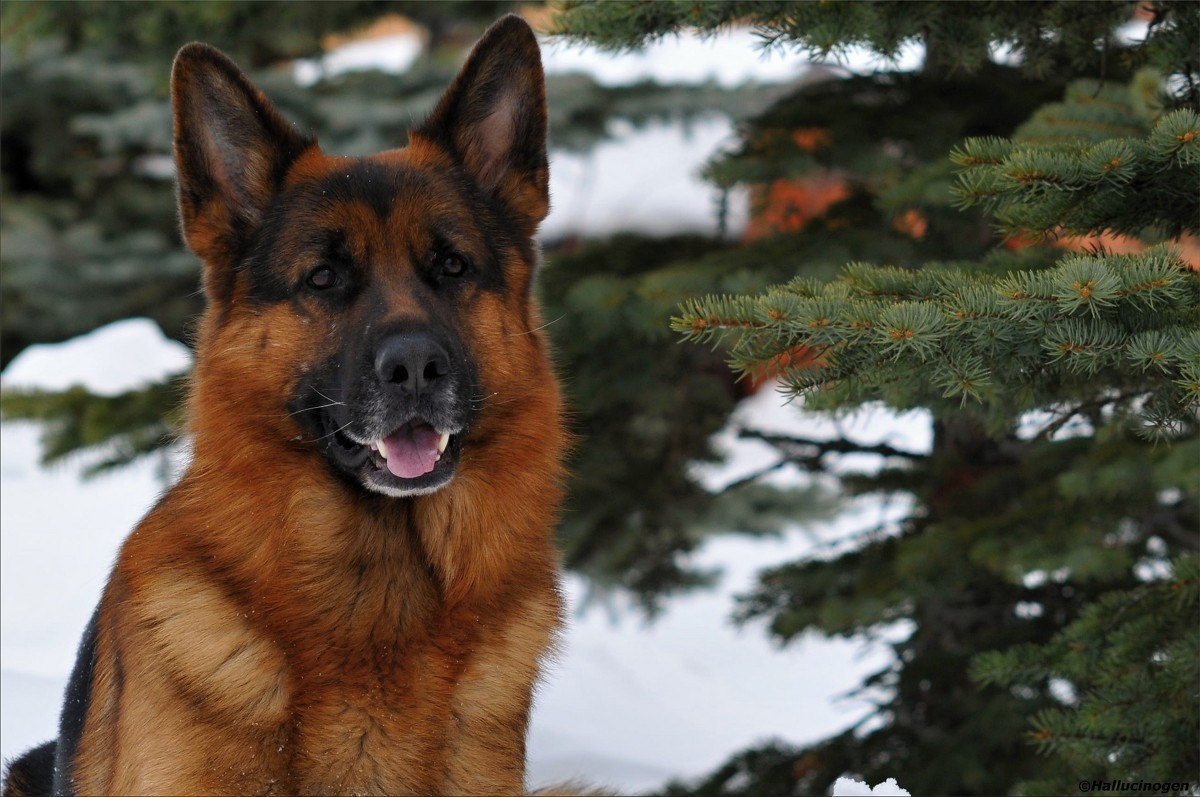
<point>791,447</point>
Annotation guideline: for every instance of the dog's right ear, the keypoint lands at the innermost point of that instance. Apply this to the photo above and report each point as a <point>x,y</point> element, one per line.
<point>232,150</point>
<point>492,119</point>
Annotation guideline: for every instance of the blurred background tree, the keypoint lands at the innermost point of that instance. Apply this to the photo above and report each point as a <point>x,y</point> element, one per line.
<point>963,259</point>
<point>1048,568</point>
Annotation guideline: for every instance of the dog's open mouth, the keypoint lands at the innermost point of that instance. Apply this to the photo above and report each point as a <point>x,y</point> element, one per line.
<point>411,451</point>
<point>393,445</point>
<point>415,459</point>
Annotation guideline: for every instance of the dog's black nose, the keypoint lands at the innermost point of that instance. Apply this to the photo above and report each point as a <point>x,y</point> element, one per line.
<point>413,361</point>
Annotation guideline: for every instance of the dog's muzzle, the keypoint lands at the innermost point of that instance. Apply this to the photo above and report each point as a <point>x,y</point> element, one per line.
<point>399,431</point>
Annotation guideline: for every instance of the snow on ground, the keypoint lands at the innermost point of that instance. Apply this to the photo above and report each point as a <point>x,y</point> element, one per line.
<point>627,704</point>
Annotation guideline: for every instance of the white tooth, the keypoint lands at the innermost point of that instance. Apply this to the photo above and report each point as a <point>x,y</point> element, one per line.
<point>382,446</point>
<point>443,442</point>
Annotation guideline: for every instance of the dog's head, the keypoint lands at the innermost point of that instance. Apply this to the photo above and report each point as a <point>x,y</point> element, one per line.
<point>376,309</point>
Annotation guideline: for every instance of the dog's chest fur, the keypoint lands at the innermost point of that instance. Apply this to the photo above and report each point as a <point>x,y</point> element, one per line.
<point>364,682</point>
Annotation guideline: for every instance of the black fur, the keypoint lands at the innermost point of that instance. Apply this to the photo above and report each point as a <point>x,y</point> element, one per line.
<point>49,768</point>
<point>32,773</point>
<point>75,707</point>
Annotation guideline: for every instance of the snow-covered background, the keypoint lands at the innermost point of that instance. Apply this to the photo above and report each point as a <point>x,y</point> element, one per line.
<point>629,704</point>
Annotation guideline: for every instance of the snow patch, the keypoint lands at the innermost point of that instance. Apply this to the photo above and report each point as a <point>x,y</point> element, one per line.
<point>848,787</point>
<point>122,356</point>
<point>394,54</point>
<point>642,180</point>
<point>730,59</point>
<point>25,723</point>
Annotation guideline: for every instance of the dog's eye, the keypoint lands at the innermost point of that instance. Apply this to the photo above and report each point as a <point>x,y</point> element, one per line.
<point>452,264</point>
<point>321,278</point>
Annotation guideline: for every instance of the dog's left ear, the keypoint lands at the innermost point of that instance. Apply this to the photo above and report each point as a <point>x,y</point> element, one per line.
<point>232,149</point>
<point>493,120</point>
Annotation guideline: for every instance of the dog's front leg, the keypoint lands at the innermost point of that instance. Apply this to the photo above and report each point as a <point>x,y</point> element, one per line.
<point>491,705</point>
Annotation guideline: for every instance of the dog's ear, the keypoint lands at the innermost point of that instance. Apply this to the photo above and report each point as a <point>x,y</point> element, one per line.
<point>493,120</point>
<point>232,150</point>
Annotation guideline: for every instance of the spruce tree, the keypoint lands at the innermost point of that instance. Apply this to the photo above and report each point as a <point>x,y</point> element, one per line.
<point>1048,570</point>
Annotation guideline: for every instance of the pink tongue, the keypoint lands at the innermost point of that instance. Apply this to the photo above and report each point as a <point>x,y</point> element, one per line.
<point>412,451</point>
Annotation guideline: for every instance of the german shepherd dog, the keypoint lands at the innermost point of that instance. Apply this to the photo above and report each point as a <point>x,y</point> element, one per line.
<point>353,586</point>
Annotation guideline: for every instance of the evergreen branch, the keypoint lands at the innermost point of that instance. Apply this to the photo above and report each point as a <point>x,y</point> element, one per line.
<point>130,425</point>
<point>1090,325</point>
<point>809,453</point>
<point>707,320</point>
<point>960,34</point>
<point>1094,334</point>
<point>1087,409</point>
<point>753,477</point>
<point>1087,186</point>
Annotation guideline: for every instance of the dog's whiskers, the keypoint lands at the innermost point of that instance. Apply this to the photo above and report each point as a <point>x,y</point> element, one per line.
<point>482,401</point>
<point>535,329</point>
<point>329,398</point>
<point>332,403</point>
<point>479,401</point>
<point>331,434</point>
<point>317,407</point>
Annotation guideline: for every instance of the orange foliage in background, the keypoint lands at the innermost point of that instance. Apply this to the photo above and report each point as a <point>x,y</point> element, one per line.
<point>393,24</point>
<point>386,25</point>
<point>810,139</point>
<point>795,357</point>
<point>789,205</point>
<point>1186,245</point>
<point>912,223</point>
